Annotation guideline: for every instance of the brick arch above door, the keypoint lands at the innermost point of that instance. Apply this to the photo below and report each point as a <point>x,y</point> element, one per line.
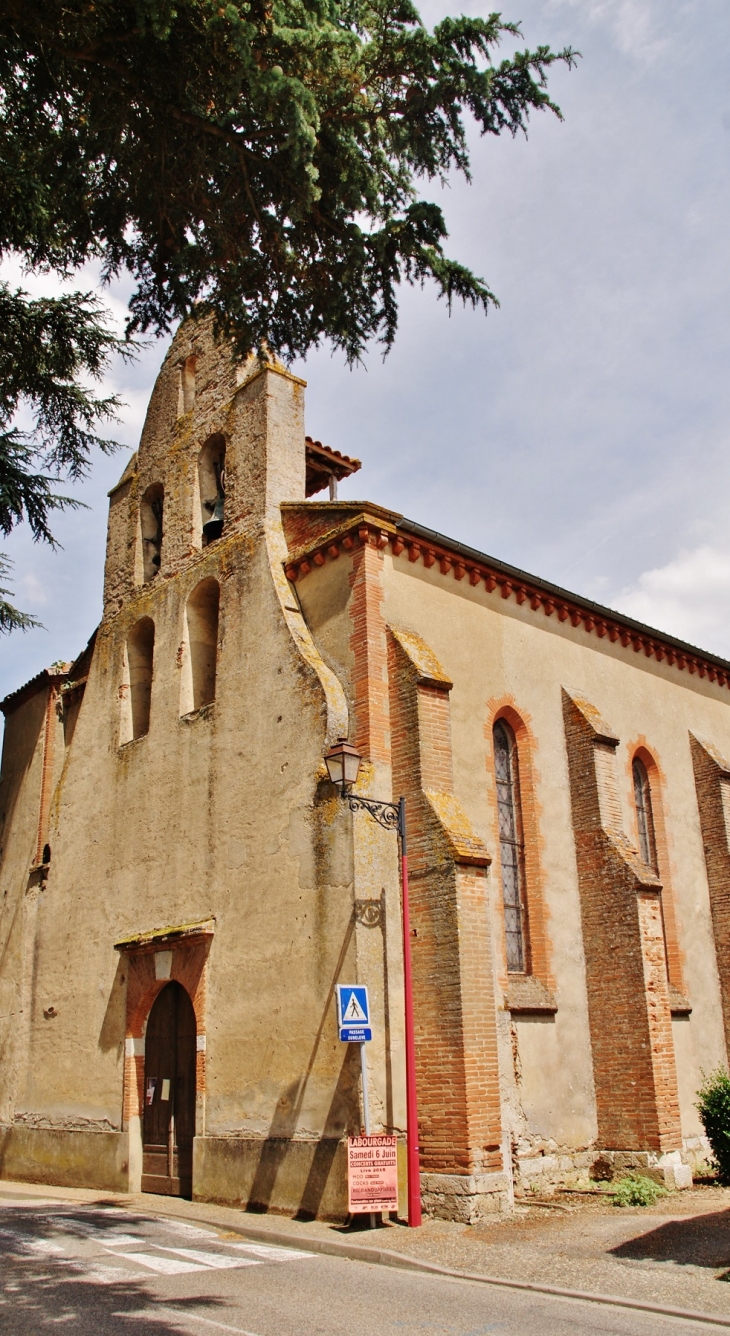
<point>153,960</point>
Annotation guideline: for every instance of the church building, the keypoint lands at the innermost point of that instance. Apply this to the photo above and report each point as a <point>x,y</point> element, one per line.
<point>182,887</point>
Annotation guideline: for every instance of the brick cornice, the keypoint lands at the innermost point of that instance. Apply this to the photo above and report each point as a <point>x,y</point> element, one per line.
<point>364,528</point>
<point>370,524</point>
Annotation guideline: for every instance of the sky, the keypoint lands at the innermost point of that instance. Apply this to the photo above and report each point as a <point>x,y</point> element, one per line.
<point>580,431</point>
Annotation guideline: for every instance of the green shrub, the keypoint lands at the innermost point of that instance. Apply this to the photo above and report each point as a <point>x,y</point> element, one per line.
<point>636,1190</point>
<point>714,1110</point>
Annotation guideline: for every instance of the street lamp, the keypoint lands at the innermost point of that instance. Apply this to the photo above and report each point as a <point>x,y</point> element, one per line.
<point>343,764</point>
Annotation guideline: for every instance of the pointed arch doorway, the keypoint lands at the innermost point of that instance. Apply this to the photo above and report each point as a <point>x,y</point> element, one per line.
<point>169,1094</point>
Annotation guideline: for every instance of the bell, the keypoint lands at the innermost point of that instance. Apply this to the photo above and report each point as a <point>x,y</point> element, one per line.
<point>213,528</point>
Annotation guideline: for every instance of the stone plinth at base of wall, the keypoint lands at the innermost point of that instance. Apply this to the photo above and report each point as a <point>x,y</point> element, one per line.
<point>569,1169</point>
<point>466,1198</point>
<point>65,1158</point>
<point>289,1177</point>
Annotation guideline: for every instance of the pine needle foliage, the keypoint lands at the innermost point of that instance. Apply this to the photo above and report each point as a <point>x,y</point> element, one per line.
<point>259,157</point>
<point>259,160</point>
<point>46,345</point>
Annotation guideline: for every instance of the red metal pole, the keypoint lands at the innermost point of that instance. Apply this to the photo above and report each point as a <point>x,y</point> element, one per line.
<point>412,1150</point>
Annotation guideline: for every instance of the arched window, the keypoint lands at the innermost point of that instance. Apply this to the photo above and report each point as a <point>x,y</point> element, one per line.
<point>212,487</point>
<point>201,633</point>
<point>644,814</point>
<point>138,671</point>
<point>151,524</point>
<point>512,854</point>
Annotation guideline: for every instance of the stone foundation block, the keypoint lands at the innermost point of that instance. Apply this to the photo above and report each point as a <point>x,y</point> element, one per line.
<point>466,1198</point>
<point>682,1175</point>
<point>547,1173</point>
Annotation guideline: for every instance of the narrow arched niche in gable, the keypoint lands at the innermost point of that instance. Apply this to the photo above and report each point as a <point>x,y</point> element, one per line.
<point>135,694</point>
<point>186,392</point>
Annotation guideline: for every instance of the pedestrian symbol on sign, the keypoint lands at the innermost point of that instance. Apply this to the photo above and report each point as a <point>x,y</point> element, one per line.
<point>353,1013</point>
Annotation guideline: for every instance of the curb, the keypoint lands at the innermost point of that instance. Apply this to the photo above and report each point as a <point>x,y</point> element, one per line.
<point>358,1252</point>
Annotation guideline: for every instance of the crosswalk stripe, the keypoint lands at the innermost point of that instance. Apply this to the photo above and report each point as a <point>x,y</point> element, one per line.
<point>191,1231</point>
<point>122,1240</point>
<point>46,1247</point>
<point>270,1253</point>
<point>167,1266</point>
<point>103,1275</point>
<point>209,1258</point>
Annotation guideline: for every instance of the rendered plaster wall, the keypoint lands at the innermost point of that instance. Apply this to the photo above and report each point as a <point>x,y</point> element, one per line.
<point>21,890</point>
<point>351,640</point>
<point>497,651</point>
<point>223,814</point>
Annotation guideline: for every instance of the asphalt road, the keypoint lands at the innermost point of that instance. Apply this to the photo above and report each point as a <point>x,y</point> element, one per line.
<point>93,1270</point>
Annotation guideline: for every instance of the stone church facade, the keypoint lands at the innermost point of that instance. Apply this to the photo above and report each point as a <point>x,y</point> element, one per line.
<point>182,887</point>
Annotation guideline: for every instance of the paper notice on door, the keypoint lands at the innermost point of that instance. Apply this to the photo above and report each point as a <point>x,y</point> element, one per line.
<point>151,1085</point>
<point>165,1092</point>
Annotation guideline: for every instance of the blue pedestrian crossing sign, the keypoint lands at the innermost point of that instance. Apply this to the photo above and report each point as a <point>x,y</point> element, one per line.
<point>353,1013</point>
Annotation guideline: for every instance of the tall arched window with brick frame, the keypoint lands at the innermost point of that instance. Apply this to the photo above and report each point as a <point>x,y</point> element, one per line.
<point>512,848</point>
<point>644,814</point>
<point>651,834</point>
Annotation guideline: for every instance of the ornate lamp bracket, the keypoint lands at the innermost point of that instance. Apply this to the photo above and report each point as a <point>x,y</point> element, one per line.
<point>386,814</point>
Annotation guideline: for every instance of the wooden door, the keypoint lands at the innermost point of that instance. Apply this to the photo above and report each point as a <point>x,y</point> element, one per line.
<point>169,1094</point>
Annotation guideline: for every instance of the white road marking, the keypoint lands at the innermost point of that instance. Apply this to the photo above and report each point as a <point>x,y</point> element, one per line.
<point>269,1252</point>
<point>151,1315</point>
<point>168,1266</point>
<point>44,1246</point>
<point>123,1241</point>
<point>195,1317</point>
<point>192,1231</point>
<point>88,1229</point>
<point>209,1258</point>
<point>104,1275</point>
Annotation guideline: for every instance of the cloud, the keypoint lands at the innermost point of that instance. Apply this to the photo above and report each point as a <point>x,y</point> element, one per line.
<point>638,27</point>
<point>580,431</point>
<point>32,591</point>
<point>689,597</point>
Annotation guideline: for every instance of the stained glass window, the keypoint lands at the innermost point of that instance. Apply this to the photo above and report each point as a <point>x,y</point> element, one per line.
<point>511,847</point>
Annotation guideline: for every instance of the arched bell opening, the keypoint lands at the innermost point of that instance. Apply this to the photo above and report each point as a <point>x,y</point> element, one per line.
<point>150,516</point>
<point>169,1094</point>
<point>212,488</point>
